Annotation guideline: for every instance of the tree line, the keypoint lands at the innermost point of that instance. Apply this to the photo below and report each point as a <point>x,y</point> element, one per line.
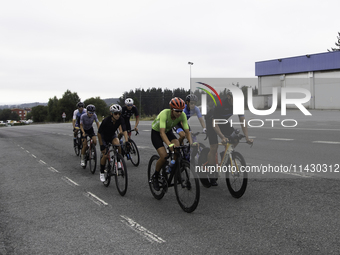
<point>149,103</point>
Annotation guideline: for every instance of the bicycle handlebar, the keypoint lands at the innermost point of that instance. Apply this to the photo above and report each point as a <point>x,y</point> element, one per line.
<point>200,133</point>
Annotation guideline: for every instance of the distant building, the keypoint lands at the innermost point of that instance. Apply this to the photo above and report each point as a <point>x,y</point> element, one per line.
<point>318,73</point>
<point>22,112</point>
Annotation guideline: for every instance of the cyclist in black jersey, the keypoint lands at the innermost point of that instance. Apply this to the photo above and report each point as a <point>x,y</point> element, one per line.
<point>127,111</point>
<point>107,134</point>
<point>222,112</point>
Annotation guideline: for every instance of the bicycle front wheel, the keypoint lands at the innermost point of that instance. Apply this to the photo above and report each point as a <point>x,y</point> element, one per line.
<point>187,187</point>
<point>93,159</point>
<point>109,169</point>
<point>134,153</point>
<point>121,175</point>
<point>76,146</point>
<point>151,170</point>
<point>236,178</point>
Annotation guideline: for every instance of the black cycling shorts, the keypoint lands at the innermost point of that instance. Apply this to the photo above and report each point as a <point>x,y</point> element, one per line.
<point>89,132</point>
<point>157,140</point>
<point>226,130</point>
<point>107,140</point>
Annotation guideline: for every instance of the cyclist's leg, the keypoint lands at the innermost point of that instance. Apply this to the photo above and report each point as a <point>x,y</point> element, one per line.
<point>179,130</point>
<point>128,127</point>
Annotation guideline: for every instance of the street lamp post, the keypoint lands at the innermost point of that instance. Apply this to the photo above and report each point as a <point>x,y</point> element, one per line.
<point>190,63</point>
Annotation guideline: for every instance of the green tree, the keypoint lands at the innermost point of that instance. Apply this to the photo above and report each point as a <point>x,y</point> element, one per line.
<point>67,104</point>
<point>53,109</point>
<point>101,107</point>
<point>336,44</point>
<point>40,113</point>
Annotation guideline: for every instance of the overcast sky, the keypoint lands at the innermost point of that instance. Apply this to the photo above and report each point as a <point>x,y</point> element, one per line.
<point>103,48</point>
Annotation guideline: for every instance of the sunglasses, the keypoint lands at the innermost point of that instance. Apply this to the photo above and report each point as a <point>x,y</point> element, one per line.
<point>116,113</point>
<point>129,105</point>
<point>90,112</point>
<point>178,110</point>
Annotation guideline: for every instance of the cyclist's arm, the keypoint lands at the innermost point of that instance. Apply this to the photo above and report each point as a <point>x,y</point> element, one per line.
<point>219,133</point>
<point>126,136</point>
<point>202,122</point>
<point>245,128</point>
<point>137,122</point>
<point>188,135</point>
<point>164,137</point>
<point>82,129</point>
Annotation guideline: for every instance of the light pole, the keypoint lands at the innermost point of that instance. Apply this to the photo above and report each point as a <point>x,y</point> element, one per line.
<point>190,63</point>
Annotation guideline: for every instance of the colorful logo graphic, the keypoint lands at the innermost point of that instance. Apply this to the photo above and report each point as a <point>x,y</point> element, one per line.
<point>212,89</point>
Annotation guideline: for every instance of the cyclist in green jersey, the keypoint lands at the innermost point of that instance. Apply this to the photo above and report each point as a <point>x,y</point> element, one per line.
<point>162,132</point>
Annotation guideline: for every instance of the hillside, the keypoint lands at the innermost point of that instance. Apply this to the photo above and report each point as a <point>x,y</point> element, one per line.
<point>108,101</point>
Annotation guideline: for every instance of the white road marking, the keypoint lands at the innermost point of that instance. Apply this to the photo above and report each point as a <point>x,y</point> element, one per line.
<point>22,148</point>
<point>327,142</point>
<point>34,156</point>
<point>69,181</point>
<point>95,199</point>
<point>42,162</point>
<point>52,169</point>
<point>143,147</point>
<point>281,139</point>
<point>146,130</point>
<point>141,230</point>
<point>27,151</point>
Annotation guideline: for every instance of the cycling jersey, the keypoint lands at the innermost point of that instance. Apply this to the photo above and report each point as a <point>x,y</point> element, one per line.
<point>163,120</point>
<point>191,112</point>
<point>76,116</point>
<point>224,111</point>
<point>108,128</point>
<point>126,114</point>
<point>87,120</point>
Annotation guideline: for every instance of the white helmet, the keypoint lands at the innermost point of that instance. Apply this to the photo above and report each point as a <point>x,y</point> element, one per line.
<point>115,108</point>
<point>129,101</point>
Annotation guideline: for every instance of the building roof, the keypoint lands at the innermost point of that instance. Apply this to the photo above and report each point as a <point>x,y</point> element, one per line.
<point>300,64</point>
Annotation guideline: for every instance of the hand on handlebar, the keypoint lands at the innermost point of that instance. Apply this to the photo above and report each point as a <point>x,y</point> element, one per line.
<point>249,141</point>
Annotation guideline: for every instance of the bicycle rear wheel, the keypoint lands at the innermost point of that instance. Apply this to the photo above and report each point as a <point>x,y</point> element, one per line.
<point>93,159</point>
<point>121,175</point>
<point>202,161</point>
<point>151,170</point>
<point>76,145</point>
<point>236,179</point>
<point>187,187</point>
<point>109,169</point>
<point>134,153</point>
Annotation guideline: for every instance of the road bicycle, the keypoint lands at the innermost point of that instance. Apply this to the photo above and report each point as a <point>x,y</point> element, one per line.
<point>181,177</point>
<point>91,155</point>
<point>232,163</point>
<point>131,151</point>
<point>78,145</point>
<point>116,166</point>
<point>200,147</point>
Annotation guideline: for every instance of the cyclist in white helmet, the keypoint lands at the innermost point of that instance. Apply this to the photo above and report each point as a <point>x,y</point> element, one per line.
<point>127,111</point>
<point>76,119</point>
<point>107,134</point>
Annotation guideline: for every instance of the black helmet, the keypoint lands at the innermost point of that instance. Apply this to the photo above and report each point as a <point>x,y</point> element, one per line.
<point>91,108</point>
<point>191,97</point>
<point>80,105</point>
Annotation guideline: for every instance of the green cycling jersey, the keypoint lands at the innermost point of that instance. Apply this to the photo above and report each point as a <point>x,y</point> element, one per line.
<point>164,120</point>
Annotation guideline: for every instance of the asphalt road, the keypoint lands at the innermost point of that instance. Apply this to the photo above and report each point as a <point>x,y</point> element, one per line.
<point>50,205</point>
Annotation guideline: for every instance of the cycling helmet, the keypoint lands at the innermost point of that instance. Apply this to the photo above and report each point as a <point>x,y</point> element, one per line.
<point>91,108</point>
<point>191,97</point>
<point>80,105</point>
<point>177,103</point>
<point>129,101</point>
<point>115,108</point>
